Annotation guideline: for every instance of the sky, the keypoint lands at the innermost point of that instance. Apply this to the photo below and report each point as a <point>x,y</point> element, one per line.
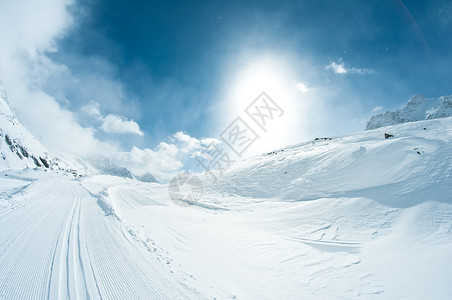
<point>154,84</point>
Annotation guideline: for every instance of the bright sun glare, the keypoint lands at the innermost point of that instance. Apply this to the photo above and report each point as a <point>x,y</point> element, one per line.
<point>276,78</point>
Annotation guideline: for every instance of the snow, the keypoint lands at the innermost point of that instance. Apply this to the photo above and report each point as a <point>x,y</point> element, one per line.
<point>418,108</point>
<point>351,216</point>
<point>19,149</point>
<point>56,244</point>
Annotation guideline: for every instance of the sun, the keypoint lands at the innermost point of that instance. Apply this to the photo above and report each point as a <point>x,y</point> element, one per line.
<point>264,74</point>
<point>275,76</point>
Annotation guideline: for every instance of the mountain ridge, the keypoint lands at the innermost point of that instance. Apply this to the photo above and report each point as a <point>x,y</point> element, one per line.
<point>418,108</point>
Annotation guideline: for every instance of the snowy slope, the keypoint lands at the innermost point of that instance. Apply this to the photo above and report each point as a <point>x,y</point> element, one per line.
<point>19,148</point>
<point>412,164</point>
<point>351,216</point>
<point>418,108</point>
<point>56,243</point>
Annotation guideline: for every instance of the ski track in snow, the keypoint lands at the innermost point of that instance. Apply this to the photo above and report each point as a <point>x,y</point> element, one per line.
<point>56,243</point>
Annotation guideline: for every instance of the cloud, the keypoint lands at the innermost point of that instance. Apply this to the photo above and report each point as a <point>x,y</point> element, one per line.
<point>112,123</point>
<point>32,26</point>
<point>88,80</point>
<point>378,108</point>
<point>167,158</point>
<point>302,87</point>
<point>188,143</point>
<point>92,109</point>
<point>28,31</point>
<point>162,162</point>
<point>117,124</point>
<point>47,95</point>
<point>339,67</point>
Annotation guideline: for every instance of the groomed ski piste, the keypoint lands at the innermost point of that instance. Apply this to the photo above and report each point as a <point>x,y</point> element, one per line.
<point>346,217</point>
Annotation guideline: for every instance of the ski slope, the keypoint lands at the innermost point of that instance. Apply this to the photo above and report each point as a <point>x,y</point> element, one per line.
<point>56,243</point>
<point>346,217</point>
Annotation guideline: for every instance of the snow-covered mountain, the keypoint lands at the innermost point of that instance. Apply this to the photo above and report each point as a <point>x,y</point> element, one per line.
<point>147,177</point>
<point>100,164</point>
<point>19,148</point>
<point>103,165</point>
<point>418,108</point>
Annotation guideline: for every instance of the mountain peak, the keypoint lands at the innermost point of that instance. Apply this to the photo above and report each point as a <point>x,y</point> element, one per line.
<point>418,108</point>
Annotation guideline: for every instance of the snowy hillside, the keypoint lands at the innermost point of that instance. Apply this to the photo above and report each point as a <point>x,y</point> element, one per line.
<point>418,108</point>
<point>341,217</point>
<point>19,148</point>
<point>412,164</point>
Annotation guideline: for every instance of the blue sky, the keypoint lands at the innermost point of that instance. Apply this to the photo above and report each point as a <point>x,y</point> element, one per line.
<point>162,67</point>
<point>173,57</point>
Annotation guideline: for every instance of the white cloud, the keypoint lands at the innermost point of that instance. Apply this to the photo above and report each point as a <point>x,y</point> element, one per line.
<point>162,162</point>
<point>92,109</point>
<point>339,67</point>
<point>112,123</point>
<point>303,87</point>
<point>188,144</point>
<point>32,26</point>
<point>167,159</point>
<point>28,30</point>
<point>378,108</point>
<point>117,124</point>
